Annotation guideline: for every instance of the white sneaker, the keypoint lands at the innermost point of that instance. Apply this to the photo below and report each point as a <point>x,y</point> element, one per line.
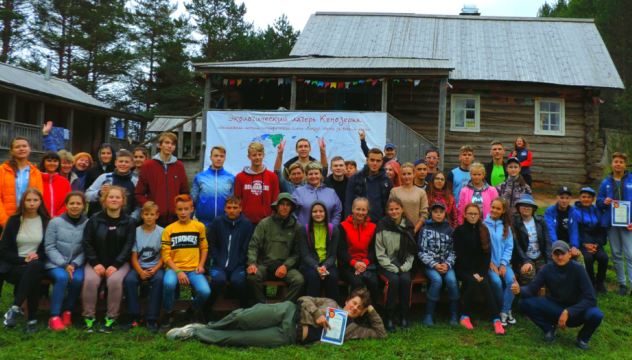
<point>183,333</point>
<point>510,318</point>
<point>503,319</point>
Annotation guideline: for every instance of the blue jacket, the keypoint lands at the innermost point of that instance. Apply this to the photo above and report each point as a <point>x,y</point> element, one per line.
<point>586,226</point>
<point>502,248</point>
<point>228,241</point>
<point>606,190</point>
<point>209,192</point>
<point>550,215</point>
<point>376,188</point>
<point>305,195</point>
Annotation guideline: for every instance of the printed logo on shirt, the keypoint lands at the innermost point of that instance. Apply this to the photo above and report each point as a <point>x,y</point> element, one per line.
<point>629,186</point>
<point>565,223</point>
<point>184,240</point>
<point>112,228</point>
<point>257,187</point>
<point>524,153</point>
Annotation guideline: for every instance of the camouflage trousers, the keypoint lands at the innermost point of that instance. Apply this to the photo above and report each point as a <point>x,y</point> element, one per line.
<point>536,265</point>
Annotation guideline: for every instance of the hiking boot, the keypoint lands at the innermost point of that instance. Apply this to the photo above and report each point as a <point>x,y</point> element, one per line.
<point>466,323</point>
<point>109,324</point>
<point>66,318</point>
<point>510,318</point>
<point>10,318</point>
<point>31,327</point>
<point>583,344</point>
<point>166,323</point>
<point>498,327</point>
<point>55,324</point>
<point>454,319</point>
<point>390,327</point>
<point>152,326</point>
<point>404,322</point>
<point>427,321</point>
<point>550,336</point>
<point>503,319</point>
<point>89,325</point>
<point>601,289</point>
<point>184,333</point>
<point>623,290</point>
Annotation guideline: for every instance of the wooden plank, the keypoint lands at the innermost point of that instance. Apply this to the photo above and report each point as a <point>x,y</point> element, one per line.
<point>70,124</point>
<point>293,94</point>
<point>107,125</point>
<point>385,95</point>
<point>441,121</point>
<point>180,141</point>
<point>194,136</point>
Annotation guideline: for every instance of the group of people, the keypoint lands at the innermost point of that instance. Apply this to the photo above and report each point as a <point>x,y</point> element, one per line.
<point>308,224</point>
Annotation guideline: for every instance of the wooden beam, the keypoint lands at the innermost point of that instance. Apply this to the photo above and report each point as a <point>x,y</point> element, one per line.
<point>441,123</point>
<point>194,137</point>
<point>126,131</point>
<point>70,120</point>
<point>203,139</point>
<point>11,115</point>
<point>385,95</point>
<point>41,114</point>
<point>108,124</point>
<point>293,96</point>
<point>366,73</point>
<point>207,92</point>
<point>180,141</point>
<point>225,91</point>
<point>143,127</point>
<point>193,117</point>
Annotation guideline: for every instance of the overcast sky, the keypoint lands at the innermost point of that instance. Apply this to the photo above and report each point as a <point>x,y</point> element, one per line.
<point>264,12</point>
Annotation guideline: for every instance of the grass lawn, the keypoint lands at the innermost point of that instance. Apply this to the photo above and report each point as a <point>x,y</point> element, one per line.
<point>613,340</point>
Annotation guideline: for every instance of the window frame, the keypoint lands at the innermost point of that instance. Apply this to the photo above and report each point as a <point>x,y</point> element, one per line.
<point>562,131</point>
<point>477,118</point>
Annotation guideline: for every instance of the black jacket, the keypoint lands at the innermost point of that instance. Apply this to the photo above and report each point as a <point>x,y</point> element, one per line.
<point>288,163</point>
<point>108,254</point>
<point>470,256</point>
<point>521,239</point>
<point>309,255</point>
<point>9,245</point>
<point>359,185</point>
<point>228,240</point>
<point>489,167</point>
<point>94,172</point>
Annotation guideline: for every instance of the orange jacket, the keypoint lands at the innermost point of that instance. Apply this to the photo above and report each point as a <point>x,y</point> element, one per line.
<point>8,205</point>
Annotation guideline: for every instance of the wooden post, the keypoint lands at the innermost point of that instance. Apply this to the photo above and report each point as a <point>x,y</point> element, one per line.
<point>207,92</point>
<point>441,123</point>
<point>41,114</point>
<point>143,127</point>
<point>293,96</point>
<point>70,124</point>
<point>11,115</point>
<point>207,108</point>
<point>225,91</point>
<point>194,138</point>
<point>180,141</point>
<point>385,95</point>
<point>108,123</point>
<point>154,148</point>
<point>126,131</point>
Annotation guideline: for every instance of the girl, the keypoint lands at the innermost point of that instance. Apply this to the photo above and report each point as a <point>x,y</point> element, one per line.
<point>65,170</point>
<point>314,190</point>
<point>356,249</point>
<point>439,192</point>
<point>140,156</point>
<point>437,253</point>
<point>56,187</point>
<point>522,152</point>
<point>514,187</point>
<point>395,248</point>
<point>477,191</point>
<point>319,243</point>
<point>414,199</point>
<point>500,273</point>
<point>473,257</point>
<point>22,256</point>
<point>393,172</point>
<point>83,162</point>
<point>16,175</point>
<point>105,164</point>
<point>107,241</point>
<point>65,258</point>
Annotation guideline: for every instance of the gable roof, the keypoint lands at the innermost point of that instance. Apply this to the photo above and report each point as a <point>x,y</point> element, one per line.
<point>542,50</point>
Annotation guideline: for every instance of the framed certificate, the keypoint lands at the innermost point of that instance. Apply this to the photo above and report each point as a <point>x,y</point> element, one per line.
<point>337,320</point>
<point>620,213</point>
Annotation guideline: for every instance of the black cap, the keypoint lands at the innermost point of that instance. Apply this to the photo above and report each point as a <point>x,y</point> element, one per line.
<point>513,159</point>
<point>437,204</point>
<point>561,246</point>
<point>564,190</point>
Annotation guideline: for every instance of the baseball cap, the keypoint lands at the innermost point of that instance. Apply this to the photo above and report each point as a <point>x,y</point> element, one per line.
<point>513,159</point>
<point>587,190</point>
<point>389,145</point>
<point>561,246</point>
<point>437,204</point>
<point>420,161</point>
<point>564,190</point>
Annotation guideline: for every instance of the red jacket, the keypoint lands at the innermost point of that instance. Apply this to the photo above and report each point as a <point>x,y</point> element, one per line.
<point>356,245</point>
<point>160,186</point>
<point>257,192</point>
<point>56,187</point>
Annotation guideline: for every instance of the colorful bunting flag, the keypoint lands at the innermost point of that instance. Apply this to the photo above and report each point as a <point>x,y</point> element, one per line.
<point>288,80</point>
<point>299,80</point>
<point>279,81</point>
<point>308,81</point>
<point>213,76</point>
<point>267,80</point>
<point>219,77</point>
<point>374,82</point>
<point>320,83</point>
<point>511,100</point>
<point>416,82</point>
<point>347,84</point>
<point>395,80</point>
<point>355,83</point>
<point>449,85</point>
<point>327,84</point>
<point>361,81</point>
<point>502,99</point>
<point>315,82</point>
<point>239,82</point>
<point>231,82</point>
<point>334,85</point>
<point>369,80</point>
<point>409,80</point>
<point>225,82</point>
<point>261,79</point>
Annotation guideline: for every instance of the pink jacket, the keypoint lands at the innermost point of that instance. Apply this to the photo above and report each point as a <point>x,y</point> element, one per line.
<point>488,193</point>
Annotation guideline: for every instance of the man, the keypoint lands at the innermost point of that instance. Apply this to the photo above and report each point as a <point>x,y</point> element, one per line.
<point>532,245</point>
<point>351,167</point>
<point>303,148</point>
<point>432,159</point>
<point>338,180</point>
<point>569,302</point>
<point>461,175</point>
<point>496,170</point>
<point>617,186</point>
<point>256,186</point>
<point>372,183</point>
<point>212,187</point>
<point>421,170</point>
<point>274,251</point>
<point>389,149</point>
<point>558,218</point>
<point>274,325</point>
<point>161,179</point>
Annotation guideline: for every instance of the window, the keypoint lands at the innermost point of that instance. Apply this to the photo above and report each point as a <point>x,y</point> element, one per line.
<point>549,117</point>
<point>465,113</point>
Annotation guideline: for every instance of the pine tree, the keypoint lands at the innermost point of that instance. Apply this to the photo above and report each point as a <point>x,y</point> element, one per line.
<point>13,25</point>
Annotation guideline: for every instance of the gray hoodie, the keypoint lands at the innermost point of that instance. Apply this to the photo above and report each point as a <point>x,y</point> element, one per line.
<point>63,242</point>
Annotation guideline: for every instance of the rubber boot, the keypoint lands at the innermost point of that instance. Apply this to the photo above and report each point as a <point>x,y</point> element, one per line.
<point>454,312</point>
<point>390,327</point>
<point>430,306</point>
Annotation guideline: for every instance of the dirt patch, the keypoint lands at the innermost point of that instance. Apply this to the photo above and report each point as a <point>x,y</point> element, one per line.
<point>543,199</point>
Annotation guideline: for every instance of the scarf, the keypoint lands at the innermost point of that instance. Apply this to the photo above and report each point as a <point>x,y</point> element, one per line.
<point>407,244</point>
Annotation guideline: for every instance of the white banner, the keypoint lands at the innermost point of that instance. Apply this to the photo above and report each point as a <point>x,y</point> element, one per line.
<point>235,130</point>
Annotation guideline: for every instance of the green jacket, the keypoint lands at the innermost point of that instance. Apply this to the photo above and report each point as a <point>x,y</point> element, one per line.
<point>274,243</point>
<point>386,248</point>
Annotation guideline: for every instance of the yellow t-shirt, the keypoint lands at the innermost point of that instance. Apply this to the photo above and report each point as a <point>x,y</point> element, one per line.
<point>183,244</point>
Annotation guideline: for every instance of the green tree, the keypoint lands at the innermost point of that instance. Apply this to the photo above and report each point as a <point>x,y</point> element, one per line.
<point>13,25</point>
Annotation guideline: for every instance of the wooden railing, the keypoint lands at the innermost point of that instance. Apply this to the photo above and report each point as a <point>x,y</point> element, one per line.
<point>32,132</point>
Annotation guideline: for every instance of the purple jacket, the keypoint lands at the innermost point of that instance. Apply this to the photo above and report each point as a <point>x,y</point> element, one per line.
<point>305,195</point>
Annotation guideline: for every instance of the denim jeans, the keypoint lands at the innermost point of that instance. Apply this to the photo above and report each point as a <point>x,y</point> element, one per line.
<point>436,282</point>
<point>131,282</point>
<point>198,281</point>
<point>504,297</point>
<point>61,279</point>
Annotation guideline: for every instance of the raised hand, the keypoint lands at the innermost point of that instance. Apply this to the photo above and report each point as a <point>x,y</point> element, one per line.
<point>321,145</point>
<point>47,128</point>
<point>362,134</point>
<point>281,147</point>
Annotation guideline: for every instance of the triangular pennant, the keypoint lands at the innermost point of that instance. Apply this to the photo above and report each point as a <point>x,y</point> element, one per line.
<point>279,81</point>
<point>361,81</point>
<point>395,80</point>
<point>563,96</point>
<point>213,76</point>
<point>334,85</point>
<point>321,83</point>
<point>225,82</point>
<point>502,99</point>
<point>347,84</point>
<point>299,80</point>
<point>238,82</point>
<point>355,83</point>
<point>267,80</point>
<point>261,79</point>
<point>219,77</point>
<point>369,80</point>
<point>409,80</point>
<point>327,84</point>
<point>251,79</point>
<point>315,82</point>
<point>288,80</point>
<point>449,85</point>
<point>374,82</point>
<point>416,82</point>
<point>231,82</point>
<point>308,81</point>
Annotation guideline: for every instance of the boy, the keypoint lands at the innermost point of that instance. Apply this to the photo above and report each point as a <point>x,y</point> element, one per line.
<point>161,179</point>
<point>496,170</point>
<point>372,183</point>
<point>228,237</point>
<point>338,180</point>
<point>432,159</point>
<point>146,265</point>
<point>421,170</point>
<point>351,167</point>
<point>121,177</point>
<point>256,186</point>
<point>461,175</point>
<point>558,218</point>
<point>303,148</point>
<point>212,187</point>
<point>184,250</point>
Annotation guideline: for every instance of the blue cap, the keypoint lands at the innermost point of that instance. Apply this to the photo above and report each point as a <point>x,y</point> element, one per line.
<point>513,159</point>
<point>587,190</point>
<point>420,161</point>
<point>389,145</point>
<point>527,199</point>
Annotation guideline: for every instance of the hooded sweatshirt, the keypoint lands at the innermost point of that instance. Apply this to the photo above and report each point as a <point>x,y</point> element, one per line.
<point>304,196</point>
<point>55,189</point>
<point>310,238</point>
<point>257,191</point>
<point>585,226</point>
<point>356,244</point>
<point>100,168</point>
<point>487,193</point>
<point>436,245</point>
<point>209,192</point>
<point>511,190</point>
<point>502,248</point>
<point>126,181</point>
<point>228,241</point>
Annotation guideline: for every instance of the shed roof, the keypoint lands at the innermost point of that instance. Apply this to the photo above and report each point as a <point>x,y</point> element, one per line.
<point>555,51</point>
<point>166,122</point>
<point>336,63</point>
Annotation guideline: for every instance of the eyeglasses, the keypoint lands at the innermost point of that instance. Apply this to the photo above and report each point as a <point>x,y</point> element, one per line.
<point>431,158</point>
<point>471,214</point>
<point>439,179</point>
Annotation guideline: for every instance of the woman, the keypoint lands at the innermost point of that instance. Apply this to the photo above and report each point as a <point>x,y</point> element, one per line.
<point>140,156</point>
<point>107,241</point>
<point>437,254</point>
<point>476,191</point>
<point>395,248</point>
<point>414,199</point>
<point>438,192</point>
<point>83,162</point>
<point>356,250</point>
<point>22,256</point>
<point>105,164</point>
<point>56,187</point>
<point>500,274</point>
<point>393,172</point>
<point>297,178</point>
<point>319,244</point>
<point>473,257</point>
<point>65,170</point>
<point>514,187</point>
<point>315,189</point>
<point>522,152</point>
<point>65,258</point>
<point>17,175</point>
